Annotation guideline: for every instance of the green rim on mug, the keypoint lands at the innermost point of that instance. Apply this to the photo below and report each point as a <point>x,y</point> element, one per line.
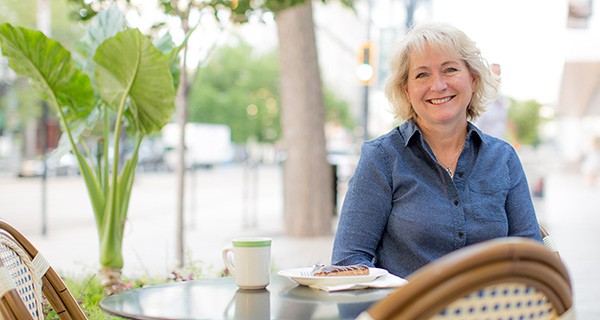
<point>251,242</point>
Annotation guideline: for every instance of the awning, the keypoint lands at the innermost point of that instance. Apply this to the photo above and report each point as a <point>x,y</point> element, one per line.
<point>580,89</point>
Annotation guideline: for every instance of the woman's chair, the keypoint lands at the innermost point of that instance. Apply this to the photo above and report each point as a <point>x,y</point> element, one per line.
<point>26,277</point>
<point>548,242</point>
<point>506,278</point>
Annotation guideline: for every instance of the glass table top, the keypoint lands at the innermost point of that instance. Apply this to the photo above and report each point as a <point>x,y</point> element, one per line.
<point>221,299</point>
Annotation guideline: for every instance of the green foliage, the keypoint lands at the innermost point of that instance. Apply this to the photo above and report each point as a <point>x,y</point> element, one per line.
<point>18,12</point>
<point>24,13</point>
<point>239,10</point>
<point>19,103</point>
<point>125,84</point>
<point>525,120</point>
<point>49,65</point>
<point>337,110</point>
<point>88,291</point>
<point>241,89</point>
<point>242,9</point>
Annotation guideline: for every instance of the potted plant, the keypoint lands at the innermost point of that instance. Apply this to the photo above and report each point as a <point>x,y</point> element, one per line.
<point>118,81</point>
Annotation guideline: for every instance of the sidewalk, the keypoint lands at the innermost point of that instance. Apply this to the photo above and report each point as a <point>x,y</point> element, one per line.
<point>570,210</point>
<point>223,203</point>
<point>216,214</point>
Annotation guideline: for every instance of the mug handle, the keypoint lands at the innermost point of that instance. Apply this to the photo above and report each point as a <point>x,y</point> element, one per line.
<point>228,260</point>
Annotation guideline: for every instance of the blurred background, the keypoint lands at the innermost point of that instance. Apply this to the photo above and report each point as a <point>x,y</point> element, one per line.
<point>548,51</point>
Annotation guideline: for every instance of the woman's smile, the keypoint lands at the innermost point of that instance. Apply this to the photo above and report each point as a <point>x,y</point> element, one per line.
<point>440,100</point>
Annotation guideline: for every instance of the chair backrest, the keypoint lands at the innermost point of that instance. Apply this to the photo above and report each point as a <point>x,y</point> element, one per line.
<point>11,305</point>
<point>25,273</point>
<point>506,278</point>
<point>548,241</point>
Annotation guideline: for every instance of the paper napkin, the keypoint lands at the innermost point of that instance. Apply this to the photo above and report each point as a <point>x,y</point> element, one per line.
<point>385,281</point>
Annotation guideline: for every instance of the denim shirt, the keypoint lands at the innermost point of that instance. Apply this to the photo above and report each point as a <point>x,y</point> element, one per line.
<point>403,210</point>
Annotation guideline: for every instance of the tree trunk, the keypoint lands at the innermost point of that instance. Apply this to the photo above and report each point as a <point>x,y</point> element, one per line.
<point>182,116</point>
<point>308,191</point>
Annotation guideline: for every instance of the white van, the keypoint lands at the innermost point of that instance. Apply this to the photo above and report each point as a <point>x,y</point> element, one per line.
<point>206,144</point>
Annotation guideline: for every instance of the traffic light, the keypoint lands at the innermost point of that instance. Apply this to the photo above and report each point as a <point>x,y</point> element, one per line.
<point>365,71</point>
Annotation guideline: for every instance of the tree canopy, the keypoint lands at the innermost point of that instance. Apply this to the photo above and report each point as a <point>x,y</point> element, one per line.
<point>240,88</point>
<point>525,121</point>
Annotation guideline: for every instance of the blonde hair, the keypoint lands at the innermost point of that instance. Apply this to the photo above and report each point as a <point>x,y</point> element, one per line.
<point>448,38</point>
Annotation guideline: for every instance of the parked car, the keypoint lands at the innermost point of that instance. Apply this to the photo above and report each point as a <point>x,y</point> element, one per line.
<point>66,165</point>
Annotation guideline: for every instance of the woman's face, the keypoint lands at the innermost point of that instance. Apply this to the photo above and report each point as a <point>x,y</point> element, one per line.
<point>439,87</point>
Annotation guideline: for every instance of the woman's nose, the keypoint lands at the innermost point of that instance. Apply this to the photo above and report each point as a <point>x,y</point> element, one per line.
<point>438,83</point>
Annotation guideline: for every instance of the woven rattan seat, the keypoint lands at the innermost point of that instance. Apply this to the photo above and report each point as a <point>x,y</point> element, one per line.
<point>506,278</point>
<point>26,278</point>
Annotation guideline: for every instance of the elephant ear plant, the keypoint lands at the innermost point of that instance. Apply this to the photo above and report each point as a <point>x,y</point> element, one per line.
<point>126,83</point>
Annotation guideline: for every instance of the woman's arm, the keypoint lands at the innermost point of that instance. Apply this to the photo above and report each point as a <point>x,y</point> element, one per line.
<point>522,220</point>
<point>366,209</point>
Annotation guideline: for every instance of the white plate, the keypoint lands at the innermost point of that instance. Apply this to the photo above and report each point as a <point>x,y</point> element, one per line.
<point>351,296</point>
<point>302,276</point>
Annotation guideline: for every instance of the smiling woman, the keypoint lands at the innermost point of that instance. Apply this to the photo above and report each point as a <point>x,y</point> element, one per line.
<point>436,183</point>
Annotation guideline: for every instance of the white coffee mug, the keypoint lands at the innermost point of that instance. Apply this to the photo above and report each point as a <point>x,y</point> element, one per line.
<point>249,261</point>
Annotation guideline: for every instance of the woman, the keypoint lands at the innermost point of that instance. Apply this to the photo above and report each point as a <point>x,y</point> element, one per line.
<point>436,183</point>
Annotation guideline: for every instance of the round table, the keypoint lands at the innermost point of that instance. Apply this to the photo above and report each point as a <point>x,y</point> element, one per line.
<point>221,299</point>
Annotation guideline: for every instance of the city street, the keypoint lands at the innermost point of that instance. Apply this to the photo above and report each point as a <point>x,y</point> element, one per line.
<point>228,202</point>
<point>222,203</point>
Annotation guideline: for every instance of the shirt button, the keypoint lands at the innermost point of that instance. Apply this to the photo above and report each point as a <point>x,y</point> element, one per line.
<point>460,234</point>
<point>455,202</point>
<point>460,174</point>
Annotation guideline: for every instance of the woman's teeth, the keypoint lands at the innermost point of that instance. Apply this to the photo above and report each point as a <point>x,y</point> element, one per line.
<point>440,101</point>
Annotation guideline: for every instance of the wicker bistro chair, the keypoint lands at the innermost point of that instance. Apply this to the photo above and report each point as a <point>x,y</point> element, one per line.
<point>11,305</point>
<point>548,242</point>
<point>506,278</point>
<point>26,277</point>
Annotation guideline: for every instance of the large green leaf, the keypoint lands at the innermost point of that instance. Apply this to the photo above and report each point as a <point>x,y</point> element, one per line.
<point>104,25</point>
<point>50,67</point>
<point>166,45</point>
<point>129,67</point>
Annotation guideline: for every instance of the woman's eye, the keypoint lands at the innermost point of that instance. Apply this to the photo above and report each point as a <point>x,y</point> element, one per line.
<point>451,69</point>
<point>421,75</point>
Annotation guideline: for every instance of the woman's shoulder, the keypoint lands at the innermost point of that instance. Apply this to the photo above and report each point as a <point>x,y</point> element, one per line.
<point>400,134</point>
<point>497,150</point>
<point>389,140</point>
<point>489,142</point>
<point>497,144</point>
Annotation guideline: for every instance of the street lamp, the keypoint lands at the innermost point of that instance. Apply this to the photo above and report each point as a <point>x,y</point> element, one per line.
<point>364,73</point>
<point>365,70</point>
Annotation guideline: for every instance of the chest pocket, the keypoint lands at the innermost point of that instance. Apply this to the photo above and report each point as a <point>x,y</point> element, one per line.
<point>488,198</point>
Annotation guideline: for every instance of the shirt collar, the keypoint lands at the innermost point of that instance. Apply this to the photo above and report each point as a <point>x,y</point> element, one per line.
<point>473,133</point>
<point>409,131</point>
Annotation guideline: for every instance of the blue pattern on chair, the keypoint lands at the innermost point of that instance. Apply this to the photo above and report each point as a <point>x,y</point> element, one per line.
<point>499,302</point>
<point>28,285</point>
